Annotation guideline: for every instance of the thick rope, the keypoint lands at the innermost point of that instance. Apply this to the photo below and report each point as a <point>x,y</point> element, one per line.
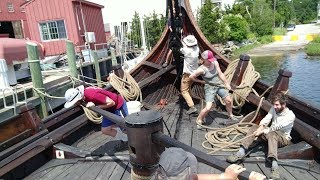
<point>229,138</point>
<point>92,116</point>
<point>249,78</point>
<point>127,86</point>
<point>135,176</point>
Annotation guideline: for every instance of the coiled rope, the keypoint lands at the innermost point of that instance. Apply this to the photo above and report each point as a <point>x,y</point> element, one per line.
<point>127,86</point>
<point>135,176</point>
<point>249,78</point>
<point>229,138</point>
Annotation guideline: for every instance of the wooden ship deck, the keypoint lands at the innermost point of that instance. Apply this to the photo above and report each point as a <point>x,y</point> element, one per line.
<point>182,127</point>
<point>28,144</point>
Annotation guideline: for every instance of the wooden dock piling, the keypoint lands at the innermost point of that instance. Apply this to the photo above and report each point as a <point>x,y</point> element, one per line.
<point>35,69</point>
<point>97,68</point>
<point>71,54</point>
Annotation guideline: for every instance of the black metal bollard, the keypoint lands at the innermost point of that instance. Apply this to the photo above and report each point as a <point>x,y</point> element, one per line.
<point>144,153</point>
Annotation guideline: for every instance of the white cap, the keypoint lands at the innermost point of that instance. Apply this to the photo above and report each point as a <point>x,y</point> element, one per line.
<point>73,95</point>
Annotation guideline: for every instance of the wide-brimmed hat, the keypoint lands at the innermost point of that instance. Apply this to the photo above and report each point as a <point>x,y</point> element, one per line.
<point>208,55</point>
<point>73,95</point>
<point>190,40</point>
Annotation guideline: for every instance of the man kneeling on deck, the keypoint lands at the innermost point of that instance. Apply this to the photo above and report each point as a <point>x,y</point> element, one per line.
<point>105,100</point>
<point>177,164</point>
<point>277,135</point>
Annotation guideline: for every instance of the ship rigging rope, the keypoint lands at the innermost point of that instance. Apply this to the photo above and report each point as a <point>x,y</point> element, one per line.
<point>249,78</point>
<point>127,86</point>
<point>228,138</point>
<point>92,116</point>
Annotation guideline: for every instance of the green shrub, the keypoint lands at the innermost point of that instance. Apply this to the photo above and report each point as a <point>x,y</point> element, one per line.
<point>279,31</point>
<point>316,40</point>
<point>313,49</point>
<point>265,39</point>
<point>239,28</point>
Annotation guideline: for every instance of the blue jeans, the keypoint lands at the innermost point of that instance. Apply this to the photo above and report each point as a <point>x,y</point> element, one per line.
<point>122,110</point>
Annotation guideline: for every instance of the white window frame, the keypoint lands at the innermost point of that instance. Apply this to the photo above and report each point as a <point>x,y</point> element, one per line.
<point>50,33</point>
<point>10,7</point>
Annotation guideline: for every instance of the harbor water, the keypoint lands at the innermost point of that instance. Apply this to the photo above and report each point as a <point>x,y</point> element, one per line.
<point>304,82</point>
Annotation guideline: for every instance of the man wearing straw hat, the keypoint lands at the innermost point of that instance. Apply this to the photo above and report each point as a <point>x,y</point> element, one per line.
<point>105,100</point>
<point>190,50</point>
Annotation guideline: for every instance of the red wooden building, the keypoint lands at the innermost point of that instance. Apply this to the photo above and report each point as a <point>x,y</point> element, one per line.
<point>13,22</point>
<point>52,21</point>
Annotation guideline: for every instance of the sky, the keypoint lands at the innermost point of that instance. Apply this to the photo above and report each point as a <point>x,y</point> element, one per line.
<point>116,11</point>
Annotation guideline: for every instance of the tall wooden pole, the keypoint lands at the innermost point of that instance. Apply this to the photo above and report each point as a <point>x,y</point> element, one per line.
<point>34,64</point>
<point>97,68</point>
<point>71,54</point>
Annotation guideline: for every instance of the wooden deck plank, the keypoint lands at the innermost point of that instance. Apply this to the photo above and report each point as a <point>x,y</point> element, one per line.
<point>252,167</point>
<point>315,175</point>
<point>93,171</point>
<point>299,173</point>
<point>88,139</point>
<point>266,170</point>
<point>185,132</point>
<point>284,174</point>
<point>205,169</point>
<point>119,171</point>
<point>49,173</point>
<point>55,172</point>
<point>106,171</point>
<point>127,173</point>
<point>75,171</point>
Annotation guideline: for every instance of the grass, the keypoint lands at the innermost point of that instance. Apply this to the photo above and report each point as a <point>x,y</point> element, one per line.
<point>313,48</point>
<point>279,31</point>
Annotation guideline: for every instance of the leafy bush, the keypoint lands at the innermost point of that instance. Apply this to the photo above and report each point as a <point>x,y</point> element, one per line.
<point>316,40</point>
<point>279,31</point>
<point>313,49</point>
<point>262,18</point>
<point>265,39</point>
<point>239,28</point>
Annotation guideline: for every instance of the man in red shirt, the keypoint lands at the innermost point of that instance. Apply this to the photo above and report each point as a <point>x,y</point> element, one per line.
<point>103,99</point>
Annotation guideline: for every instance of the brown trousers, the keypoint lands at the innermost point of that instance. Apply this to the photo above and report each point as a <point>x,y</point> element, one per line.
<point>186,84</point>
<point>275,139</point>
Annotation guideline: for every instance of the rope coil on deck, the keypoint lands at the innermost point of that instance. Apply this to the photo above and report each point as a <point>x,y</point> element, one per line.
<point>229,138</point>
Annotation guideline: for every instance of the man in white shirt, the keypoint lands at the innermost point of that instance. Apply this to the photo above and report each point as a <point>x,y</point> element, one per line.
<point>277,134</point>
<point>190,64</point>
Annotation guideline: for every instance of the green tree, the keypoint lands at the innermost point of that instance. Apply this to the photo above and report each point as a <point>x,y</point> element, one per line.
<point>262,18</point>
<point>305,10</point>
<point>154,28</point>
<point>135,33</point>
<point>210,23</point>
<point>239,28</point>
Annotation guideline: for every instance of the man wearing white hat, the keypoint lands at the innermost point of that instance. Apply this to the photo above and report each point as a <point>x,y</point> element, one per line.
<point>105,100</point>
<point>190,64</point>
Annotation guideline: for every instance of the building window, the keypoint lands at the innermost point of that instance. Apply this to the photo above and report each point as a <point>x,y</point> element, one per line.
<point>53,30</point>
<point>10,7</point>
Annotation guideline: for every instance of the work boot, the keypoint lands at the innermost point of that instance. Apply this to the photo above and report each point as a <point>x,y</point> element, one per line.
<point>234,158</point>
<point>275,175</point>
<point>192,110</point>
